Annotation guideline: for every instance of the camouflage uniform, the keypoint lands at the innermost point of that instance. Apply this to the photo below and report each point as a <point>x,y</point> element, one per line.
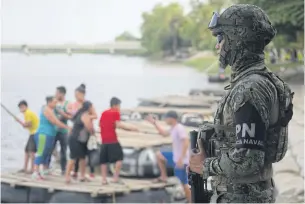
<point>241,167</point>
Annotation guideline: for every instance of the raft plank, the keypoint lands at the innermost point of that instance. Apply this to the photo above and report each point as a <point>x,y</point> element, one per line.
<point>26,180</point>
<point>138,135</point>
<point>159,110</point>
<point>151,134</point>
<point>148,128</point>
<point>144,123</point>
<point>129,184</point>
<point>140,140</point>
<point>181,100</point>
<point>56,182</point>
<point>135,143</point>
<point>46,185</point>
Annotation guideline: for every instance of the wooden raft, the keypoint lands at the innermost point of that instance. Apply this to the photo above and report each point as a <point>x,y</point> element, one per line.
<point>56,182</point>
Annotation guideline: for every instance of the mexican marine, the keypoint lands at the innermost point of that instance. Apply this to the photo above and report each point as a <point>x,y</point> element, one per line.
<point>256,110</point>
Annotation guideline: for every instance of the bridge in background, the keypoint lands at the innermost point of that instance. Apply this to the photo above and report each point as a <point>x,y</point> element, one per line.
<point>111,47</point>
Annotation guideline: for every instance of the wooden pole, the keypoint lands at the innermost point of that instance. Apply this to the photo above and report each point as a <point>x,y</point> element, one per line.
<point>8,111</point>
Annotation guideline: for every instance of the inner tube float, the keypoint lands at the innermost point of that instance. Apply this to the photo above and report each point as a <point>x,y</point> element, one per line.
<point>218,79</point>
<point>11,194</point>
<point>140,163</point>
<point>125,117</point>
<point>71,197</point>
<point>190,119</point>
<point>152,196</point>
<point>136,116</point>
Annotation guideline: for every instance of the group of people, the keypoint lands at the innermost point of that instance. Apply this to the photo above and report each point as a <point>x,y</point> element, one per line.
<point>52,127</point>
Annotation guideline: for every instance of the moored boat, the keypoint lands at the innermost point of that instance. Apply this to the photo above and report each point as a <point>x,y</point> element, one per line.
<point>187,116</point>
<point>207,92</point>
<point>179,101</point>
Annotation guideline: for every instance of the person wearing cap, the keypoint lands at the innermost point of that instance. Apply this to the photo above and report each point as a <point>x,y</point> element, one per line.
<point>178,158</point>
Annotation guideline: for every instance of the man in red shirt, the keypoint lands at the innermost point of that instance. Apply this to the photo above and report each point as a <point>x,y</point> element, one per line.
<point>111,150</point>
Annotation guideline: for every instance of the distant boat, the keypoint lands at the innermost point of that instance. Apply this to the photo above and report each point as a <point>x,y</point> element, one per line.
<point>218,78</point>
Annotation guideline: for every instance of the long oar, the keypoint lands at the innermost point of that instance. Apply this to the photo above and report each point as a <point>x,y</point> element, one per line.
<point>8,111</point>
<point>12,114</point>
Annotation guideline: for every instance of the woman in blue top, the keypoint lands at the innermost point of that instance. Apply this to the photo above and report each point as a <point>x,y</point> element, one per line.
<point>45,136</point>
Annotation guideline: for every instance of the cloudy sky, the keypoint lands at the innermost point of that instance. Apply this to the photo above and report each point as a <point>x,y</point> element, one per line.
<point>72,21</point>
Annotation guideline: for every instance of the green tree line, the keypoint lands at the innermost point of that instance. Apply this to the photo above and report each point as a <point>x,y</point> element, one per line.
<point>288,18</point>
<point>165,22</point>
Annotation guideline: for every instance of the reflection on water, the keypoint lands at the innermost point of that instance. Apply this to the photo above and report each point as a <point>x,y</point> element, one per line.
<point>34,77</point>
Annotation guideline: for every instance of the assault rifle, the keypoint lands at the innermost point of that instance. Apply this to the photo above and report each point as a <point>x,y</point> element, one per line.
<point>199,184</point>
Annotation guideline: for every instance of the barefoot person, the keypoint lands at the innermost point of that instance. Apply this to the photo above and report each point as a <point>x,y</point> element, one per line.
<point>45,137</point>
<point>31,123</point>
<point>179,157</point>
<point>111,150</point>
<point>62,133</point>
<point>82,129</point>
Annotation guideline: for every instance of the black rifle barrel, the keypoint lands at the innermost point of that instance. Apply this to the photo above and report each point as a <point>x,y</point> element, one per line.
<point>198,184</point>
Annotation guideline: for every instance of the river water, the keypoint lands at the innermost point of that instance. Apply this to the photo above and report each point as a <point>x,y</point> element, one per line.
<point>34,77</point>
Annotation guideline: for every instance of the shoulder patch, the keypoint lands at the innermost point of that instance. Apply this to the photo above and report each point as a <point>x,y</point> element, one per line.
<point>239,98</point>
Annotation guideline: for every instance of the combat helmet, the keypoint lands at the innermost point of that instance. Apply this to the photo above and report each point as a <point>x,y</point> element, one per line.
<point>245,29</point>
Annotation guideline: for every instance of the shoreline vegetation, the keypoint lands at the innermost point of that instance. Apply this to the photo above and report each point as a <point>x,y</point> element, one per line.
<point>172,35</point>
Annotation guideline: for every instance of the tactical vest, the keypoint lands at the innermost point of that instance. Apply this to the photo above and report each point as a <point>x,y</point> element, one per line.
<point>276,143</point>
<point>277,134</point>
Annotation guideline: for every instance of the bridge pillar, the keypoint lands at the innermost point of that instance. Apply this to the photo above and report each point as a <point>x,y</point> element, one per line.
<point>69,52</point>
<point>111,50</point>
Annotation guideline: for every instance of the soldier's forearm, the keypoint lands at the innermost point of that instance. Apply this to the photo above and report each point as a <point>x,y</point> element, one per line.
<point>236,163</point>
<point>241,162</point>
